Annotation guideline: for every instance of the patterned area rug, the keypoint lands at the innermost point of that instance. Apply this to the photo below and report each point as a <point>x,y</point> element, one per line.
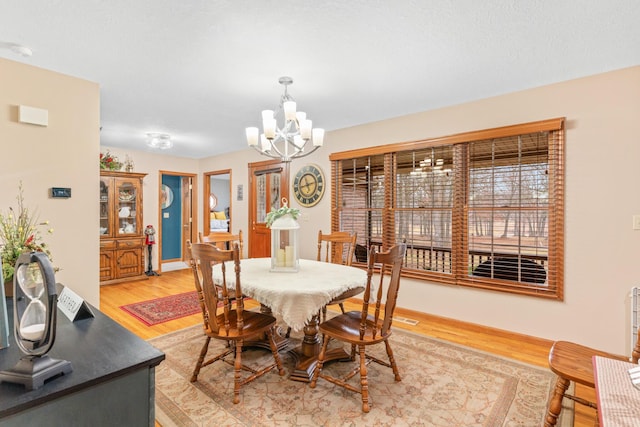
<point>163,309</point>
<point>443,384</point>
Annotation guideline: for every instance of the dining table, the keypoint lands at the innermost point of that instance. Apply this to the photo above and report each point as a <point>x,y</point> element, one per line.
<point>297,298</point>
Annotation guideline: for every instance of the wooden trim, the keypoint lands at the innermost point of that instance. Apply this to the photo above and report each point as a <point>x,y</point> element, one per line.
<point>194,213</point>
<point>260,168</point>
<point>471,327</point>
<point>206,191</point>
<point>478,135</point>
<point>122,174</point>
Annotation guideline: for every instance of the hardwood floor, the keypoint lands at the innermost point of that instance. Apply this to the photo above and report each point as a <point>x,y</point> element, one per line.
<point>519,347</point>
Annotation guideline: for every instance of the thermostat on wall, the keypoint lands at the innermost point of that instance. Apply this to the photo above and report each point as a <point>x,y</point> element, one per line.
<point>60,193</point>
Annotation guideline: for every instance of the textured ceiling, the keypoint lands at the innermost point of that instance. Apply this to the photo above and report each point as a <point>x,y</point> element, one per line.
<point>202,70</point>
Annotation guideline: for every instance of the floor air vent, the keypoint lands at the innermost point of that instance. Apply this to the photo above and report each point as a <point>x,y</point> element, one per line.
<point>411,322</point>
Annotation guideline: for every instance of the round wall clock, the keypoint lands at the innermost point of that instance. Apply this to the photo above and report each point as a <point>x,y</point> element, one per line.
<point>308,185</point>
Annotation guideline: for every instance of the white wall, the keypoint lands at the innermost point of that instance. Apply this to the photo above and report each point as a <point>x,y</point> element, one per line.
<point>601,249</point>
<point>220,188</point>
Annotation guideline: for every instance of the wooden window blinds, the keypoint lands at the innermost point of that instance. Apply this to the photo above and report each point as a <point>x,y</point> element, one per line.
<point>481,209</point>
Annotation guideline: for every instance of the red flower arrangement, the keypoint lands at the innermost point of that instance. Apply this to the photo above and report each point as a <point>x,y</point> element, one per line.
<point>109,162</point>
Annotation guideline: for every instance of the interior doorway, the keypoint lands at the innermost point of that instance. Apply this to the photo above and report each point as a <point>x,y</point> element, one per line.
<point>217,209</point>
<point>268,184</point>
<point>177,218</point>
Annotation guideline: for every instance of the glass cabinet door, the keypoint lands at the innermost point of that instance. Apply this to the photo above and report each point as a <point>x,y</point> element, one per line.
<point>127,205</point>
<point>105,208</point>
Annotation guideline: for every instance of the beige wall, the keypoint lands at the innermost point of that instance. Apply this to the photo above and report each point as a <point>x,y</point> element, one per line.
<point>602,149</point>
<point>62,154</point>
<point>602,250</point>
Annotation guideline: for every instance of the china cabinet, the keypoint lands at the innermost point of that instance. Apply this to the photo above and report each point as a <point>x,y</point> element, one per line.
<point>121,231</point>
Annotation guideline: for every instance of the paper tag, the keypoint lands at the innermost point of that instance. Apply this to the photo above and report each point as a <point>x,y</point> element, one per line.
<point>72,305</point>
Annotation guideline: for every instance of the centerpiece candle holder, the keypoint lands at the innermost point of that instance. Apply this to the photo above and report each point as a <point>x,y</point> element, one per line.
<point>284,239</point>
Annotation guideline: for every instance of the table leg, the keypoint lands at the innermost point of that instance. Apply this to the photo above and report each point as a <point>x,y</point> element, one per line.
<point>306,355</point>
<point>278,336</point>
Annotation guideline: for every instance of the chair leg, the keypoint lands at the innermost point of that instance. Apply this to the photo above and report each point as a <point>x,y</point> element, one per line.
<point>316,371</point>
<point>324,313</point>
<point>203,353</point>
<point>364,384</point>
<point>392,361</point>
<point>555,403</point>
<point>342,308</point>
<point>236,374</point>
<point>274,350</point>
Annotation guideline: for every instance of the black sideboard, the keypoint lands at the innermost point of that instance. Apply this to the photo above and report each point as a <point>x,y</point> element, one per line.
<point>112,382</point>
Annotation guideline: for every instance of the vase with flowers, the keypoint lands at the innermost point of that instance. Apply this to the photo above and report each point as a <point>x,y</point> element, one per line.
<point>109,162</point>
<point>19,233</point>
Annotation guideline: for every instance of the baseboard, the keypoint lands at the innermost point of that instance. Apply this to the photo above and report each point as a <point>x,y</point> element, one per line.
<point>172,266</point>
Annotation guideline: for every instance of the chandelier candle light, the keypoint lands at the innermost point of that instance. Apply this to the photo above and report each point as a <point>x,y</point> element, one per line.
<point>296,138</point>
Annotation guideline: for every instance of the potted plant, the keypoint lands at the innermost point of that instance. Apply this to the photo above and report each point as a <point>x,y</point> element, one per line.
<point>19,233</point>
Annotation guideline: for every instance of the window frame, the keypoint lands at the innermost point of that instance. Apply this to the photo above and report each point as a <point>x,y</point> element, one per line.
<point>553,287</point>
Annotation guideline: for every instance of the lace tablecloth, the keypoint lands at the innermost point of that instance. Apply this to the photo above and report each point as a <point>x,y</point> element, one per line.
<point>618,399</point>
<point>294,296</point>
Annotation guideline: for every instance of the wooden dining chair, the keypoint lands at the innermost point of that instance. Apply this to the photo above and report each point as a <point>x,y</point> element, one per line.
<point>574,362</point>
<point>338,248</point>
<point>198,279</point>
<point>197,282</point>
<point>223,240</point>
<point>227,323</point>
<point>362,329</point>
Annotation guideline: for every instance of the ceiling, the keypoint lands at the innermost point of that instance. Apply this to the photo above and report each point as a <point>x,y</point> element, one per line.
<point>202,70</point>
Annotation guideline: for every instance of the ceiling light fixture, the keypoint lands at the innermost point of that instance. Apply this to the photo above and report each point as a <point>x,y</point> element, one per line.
<point>291,141</point>
<point>161,141</point>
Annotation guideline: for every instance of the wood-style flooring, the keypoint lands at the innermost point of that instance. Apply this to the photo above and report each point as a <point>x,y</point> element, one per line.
<point>519,347</point>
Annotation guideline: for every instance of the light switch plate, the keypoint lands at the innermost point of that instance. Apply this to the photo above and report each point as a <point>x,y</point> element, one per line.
<point>165,215</point>
<point>60,192</point>
<point>636,222</point>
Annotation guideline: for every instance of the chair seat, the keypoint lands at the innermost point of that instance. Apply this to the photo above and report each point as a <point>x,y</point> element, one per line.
<point>254,324</point>
<point>346,327</point>
<point>574,361</point>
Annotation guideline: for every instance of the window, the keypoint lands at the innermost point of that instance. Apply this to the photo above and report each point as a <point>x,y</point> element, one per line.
<point>482,209</point>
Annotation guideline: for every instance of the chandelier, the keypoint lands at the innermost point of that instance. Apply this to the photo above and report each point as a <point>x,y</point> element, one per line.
<point>161,141</point>
<point>296,138</point>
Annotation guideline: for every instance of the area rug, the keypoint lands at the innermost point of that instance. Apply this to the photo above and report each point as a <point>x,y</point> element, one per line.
<point>159,310</point>
<point>443,384</point>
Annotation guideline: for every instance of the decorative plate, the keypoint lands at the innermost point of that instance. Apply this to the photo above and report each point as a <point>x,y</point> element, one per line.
<point>126,196</point>
<point>166,197</point>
